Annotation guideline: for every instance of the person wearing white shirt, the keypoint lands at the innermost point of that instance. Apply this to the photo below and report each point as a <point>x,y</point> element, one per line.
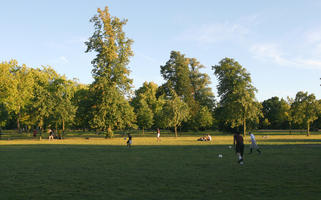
<point>253,144</point>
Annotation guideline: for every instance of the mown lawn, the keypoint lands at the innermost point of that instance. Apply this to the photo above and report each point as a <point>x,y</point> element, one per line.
<point>175,168</point>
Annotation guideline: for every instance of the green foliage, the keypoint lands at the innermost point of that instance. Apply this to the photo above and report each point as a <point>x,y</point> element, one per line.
<point>110,73</point>
<point>305,109</point>
<point>183,76</point>
<point>204,118</point>
<point>146,105</point>
<point>144,115</point>
<point>175,111</point>
<point>237,95</point>
<point>17,89</point>
<point>62,93</point>
<point>276,112</point>
<point>83,101</point>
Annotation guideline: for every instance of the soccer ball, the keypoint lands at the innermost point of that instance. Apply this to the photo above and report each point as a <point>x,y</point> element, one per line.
<point>230,147</point>
<point>220,155</point>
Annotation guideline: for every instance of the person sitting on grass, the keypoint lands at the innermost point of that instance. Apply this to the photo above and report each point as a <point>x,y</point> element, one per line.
<point>209,138</point>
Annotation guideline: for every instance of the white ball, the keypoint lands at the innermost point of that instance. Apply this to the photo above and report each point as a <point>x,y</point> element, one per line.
<point>220,155</point>
<point>230,147</point>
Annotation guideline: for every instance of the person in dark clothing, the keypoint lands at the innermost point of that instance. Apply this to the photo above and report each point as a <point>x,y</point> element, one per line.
<point>239,147</point>
<point>129,141</point>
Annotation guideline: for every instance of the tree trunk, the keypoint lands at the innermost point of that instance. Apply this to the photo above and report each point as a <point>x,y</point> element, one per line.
<point>143,131</point>
<point>308,131</point>
<point>109,132</point>
<point>290,128</point>
<point>175,128</point>
<point>56,128</point>
<point>244,127</point>
<point>18,125</point>
<point>63,125</point>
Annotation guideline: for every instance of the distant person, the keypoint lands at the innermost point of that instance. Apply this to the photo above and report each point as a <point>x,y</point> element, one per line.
<point>209,138</point>
<point>51,134</point>
<point>129,141</point>
<point>34,133</point>
<point>158,135</point>
<point>239,147</point>
<point>253,144</point>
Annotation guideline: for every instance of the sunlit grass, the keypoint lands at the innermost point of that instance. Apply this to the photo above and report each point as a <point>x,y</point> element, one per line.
<point>174,168</point>
<point>183,140</point>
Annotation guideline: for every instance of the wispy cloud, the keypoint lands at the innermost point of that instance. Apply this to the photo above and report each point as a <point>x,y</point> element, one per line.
<point>209,33</point>
<point>61,60</point>
<point>272,52</point>
<point>64,44</point>
<point>313,39</point>
<point>146,58</point>
<point>313,36</point>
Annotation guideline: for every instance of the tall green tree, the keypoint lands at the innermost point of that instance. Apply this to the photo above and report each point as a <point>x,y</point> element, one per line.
<point>62,91</point>
<point>177,76</point>
<point>237,94</point>
<point>6,81</point>
<point>276,110</point>
<point>145,104</point>
<point>200,82</point>
<point>305,109</point>
<point>183,76</point>
<point>83,102</point>
<point>144,115</point>
<point>175,111</point>
<point>203,103</point>
<point>20,90</point>
<point>42,101</point>
<point>110,73</point>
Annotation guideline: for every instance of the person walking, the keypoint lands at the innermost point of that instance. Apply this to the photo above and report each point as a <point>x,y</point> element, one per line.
<point>129,141</point>
<point>158,135</point>
<point>239,147</point>
<point>253,144</point>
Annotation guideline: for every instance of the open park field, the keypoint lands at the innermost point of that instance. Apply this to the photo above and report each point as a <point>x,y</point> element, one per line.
<point>174,168</point>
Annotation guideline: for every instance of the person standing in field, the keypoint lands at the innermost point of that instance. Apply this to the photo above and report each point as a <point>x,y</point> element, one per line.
<point>129,141</point>
<point>253,144</point>
<point>51,134</point>
<point>239,147</point>
<point>158,135</point>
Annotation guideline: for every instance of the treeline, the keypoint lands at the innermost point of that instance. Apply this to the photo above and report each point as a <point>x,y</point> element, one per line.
<point>41,98</point>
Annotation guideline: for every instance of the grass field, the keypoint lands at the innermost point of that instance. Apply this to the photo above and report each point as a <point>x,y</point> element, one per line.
<point>175,168</point>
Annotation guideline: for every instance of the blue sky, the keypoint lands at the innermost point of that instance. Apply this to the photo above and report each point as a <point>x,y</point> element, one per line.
<point>278,42</point>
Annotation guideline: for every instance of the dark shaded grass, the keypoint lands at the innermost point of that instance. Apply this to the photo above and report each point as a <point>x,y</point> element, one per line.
<point>158,172</point>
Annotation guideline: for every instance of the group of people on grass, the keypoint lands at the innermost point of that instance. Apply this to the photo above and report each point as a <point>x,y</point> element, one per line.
<point>205,138</point>
<point>238,143</point>
<point>53,135</point>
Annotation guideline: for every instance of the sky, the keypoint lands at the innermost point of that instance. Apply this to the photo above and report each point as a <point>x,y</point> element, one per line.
<point>278,42</point>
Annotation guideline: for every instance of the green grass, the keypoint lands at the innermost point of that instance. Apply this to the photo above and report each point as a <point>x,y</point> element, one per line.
<point>182,168</point>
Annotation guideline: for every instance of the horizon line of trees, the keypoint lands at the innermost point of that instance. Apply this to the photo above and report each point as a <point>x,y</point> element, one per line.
<point>40,97</point>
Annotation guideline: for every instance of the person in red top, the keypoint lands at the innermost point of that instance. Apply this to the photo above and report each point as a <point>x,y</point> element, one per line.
<point>239,146</point>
